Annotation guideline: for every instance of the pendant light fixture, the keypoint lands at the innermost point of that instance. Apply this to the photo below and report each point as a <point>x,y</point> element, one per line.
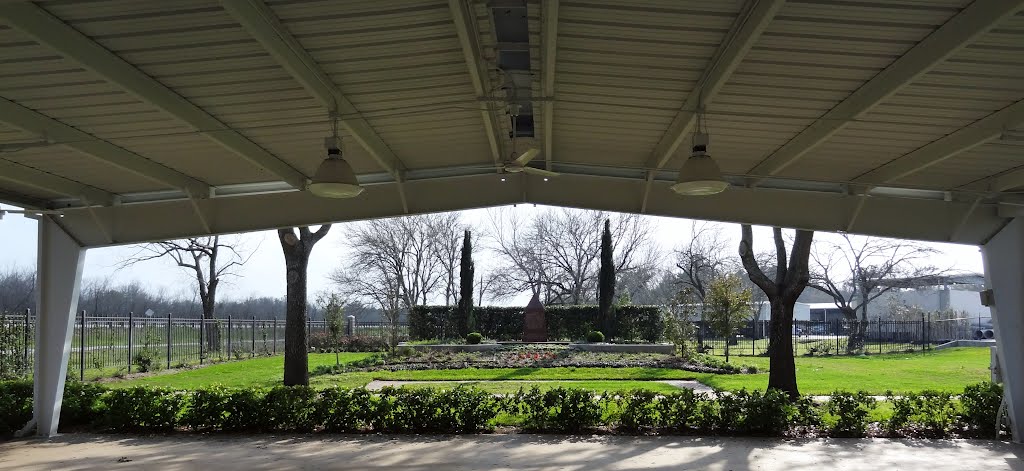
<point>699,175</point>
<point>334,178</point>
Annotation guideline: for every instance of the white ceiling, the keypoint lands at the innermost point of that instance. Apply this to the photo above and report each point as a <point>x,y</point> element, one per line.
<point>170,119</point>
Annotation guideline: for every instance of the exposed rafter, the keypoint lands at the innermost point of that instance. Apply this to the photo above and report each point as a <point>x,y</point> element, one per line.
<point>974,134</point>
<point>25,175</point>
<point>261,22</point>
<point>745,31</point>
<point>41,125</point>
<point>469,38</point>
<point>1009,180</point>
<point>753,20</point>
<point>51,31</point>
<point>965,27</point>
<point>549,37</point>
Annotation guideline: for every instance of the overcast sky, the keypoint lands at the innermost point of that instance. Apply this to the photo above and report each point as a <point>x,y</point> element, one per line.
<point>264,274</point>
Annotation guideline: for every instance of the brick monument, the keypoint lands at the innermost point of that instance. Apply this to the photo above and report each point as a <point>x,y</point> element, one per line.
<point>535,328</point>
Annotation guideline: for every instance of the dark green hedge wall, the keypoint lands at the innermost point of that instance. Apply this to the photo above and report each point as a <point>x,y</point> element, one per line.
<point>632,323</point>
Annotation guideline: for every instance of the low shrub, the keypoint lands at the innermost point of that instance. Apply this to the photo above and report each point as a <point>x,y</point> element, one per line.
<point>595,336</point>
<point>207,409</point>
<point>143,408</point>
<point>83,405</point>
<point>763,413</point>
<point>417,410</point>
<point>15,406</point>
<point>679,409</point>
<point>929,414</point>
<point>640,409</point>
<point>291,408</point>
<point>849,413</point>
<point>322,342</point>
<point>558,409</point>
<point>469,410</point>
<point>474,338</point>
<point>372,360</point>
<point>979,406</point>
<point>345,410</point>
<point>717,363</point>
<point>145,360</point>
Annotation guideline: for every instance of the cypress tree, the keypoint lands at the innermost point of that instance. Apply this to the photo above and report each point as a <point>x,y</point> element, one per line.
<point>606,281</point>
<point>466,269</point>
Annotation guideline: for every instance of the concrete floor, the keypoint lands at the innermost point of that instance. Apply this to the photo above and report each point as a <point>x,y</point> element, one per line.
<point>500,452</point>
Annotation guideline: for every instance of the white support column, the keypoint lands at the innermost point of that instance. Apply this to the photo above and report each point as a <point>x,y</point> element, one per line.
<point>1004,275</point>
<point>60,262</point>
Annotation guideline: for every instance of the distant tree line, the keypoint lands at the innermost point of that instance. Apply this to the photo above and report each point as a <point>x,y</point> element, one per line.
<point>102,297</point>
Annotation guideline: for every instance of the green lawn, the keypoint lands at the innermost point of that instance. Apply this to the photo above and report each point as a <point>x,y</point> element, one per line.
<point>948,370</point>
<point>945,370</point>
<point>265,372</point>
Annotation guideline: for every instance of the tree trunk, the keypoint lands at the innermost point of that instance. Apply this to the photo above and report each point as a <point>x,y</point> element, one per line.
<point>782,374</point>
<point>296,258</point>
<point>296,360</point>
<point>855,331</point>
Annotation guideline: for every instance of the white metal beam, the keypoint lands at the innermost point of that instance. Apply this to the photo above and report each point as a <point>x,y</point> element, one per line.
<point>974,134</point>
<point>60,260</point>
<point>261,22</point>
<point>752,21</point>
<point>1003,257</point>
<point>465,26</point>
<point>42,125</point>
<point>549,38</point>
<point>25,175</point>
<point>1008,181</point>
<point>755,17</point>
<point>51,31</point>
<point>965,27</point>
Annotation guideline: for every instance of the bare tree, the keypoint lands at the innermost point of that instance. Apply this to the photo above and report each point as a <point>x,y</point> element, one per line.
<point>556,253</point>
<point>208,259</point>
<point>782,291</point>
<point>17,289</point>
<point>855,271</point>
<point>394,263</point>
<point>705,257</point>
<point>702,259</point>
<point>447,229</point>
<point>297,250</point>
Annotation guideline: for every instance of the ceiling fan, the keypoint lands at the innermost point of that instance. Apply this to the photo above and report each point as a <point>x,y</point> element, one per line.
<point>519,164</point>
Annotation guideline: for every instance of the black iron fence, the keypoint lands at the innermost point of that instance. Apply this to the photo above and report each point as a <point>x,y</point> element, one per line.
<point>843,337</point>
<point>131,343</point>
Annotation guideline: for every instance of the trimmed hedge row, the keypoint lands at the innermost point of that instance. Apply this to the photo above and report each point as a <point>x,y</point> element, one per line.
<point>631,323</point>
<point>468,410</point>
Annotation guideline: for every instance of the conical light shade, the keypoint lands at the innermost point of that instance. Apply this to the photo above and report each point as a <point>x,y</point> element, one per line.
<point>335,179</point>
<point>700,176</point>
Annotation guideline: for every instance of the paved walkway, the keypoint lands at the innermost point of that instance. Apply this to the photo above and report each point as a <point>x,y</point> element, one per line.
<point>376,385</point>
<point>78,452</point>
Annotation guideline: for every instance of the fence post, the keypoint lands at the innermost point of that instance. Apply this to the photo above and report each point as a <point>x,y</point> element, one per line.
<point>28,320</point>
<point>253,355</point>
<point>130,319</point>
<point>928,333</point>
<point>879,328</point>
<point>275,335</point>
<point>81,348</point>
<point>202,321</point>
<point>230,348</point>
<point>169,340</point>
<point>923,326</point>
